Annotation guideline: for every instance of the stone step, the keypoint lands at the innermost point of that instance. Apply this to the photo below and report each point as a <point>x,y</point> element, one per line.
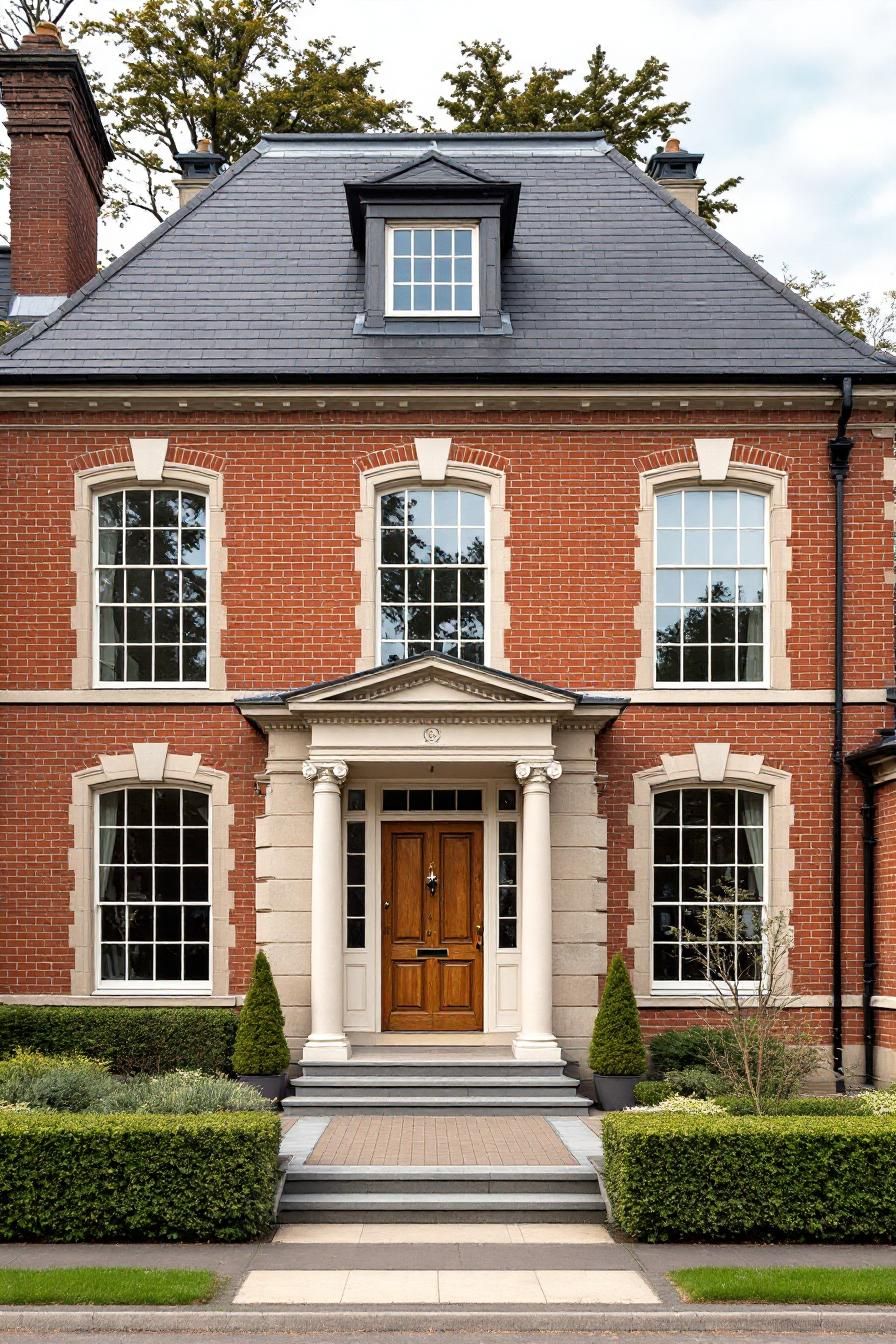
<point>473,1104</point>
<point>442,1065</point>
<point>437,1206</point>
<point>401,1088</point>
<point>440,1181</point>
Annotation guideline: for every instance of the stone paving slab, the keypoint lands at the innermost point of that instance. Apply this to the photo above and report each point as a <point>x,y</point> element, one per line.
<point>501,1234</point>
<point>438,1141</point>
<point>425,1287</point>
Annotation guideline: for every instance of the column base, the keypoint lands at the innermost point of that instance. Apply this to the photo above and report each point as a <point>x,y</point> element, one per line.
<point>326,1050</point>
<point>537,1049</point>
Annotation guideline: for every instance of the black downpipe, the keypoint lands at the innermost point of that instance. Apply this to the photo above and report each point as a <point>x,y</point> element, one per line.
<point>869,961</point>
<point>839,449</point>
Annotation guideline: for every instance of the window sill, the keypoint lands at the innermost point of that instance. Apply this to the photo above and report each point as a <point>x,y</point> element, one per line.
<point>430,326</point>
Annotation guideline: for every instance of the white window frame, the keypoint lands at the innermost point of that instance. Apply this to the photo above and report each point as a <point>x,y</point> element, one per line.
<point>104,491</point>
<point>410,313</point>
<point>131,988</point>
<point>459,488</point>
<point>742,487</point>
<point>689,988</point>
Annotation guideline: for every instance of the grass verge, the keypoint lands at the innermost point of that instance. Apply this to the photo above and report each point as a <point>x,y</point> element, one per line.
<point>106,1287</point>
<point>869,1287</point>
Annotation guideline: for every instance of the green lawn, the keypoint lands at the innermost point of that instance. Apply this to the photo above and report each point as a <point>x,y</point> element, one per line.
<point>864,1287</point>
<point>120,1287</point>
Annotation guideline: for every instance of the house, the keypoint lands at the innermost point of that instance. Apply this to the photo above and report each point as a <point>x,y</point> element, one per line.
<point>440,560</point>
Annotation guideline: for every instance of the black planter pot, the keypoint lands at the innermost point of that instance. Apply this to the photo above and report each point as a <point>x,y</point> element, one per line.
<point>616,1092</point>
<point>274,1086</point>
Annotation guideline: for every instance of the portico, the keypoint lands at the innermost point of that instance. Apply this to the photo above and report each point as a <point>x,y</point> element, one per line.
<point>404,861</point>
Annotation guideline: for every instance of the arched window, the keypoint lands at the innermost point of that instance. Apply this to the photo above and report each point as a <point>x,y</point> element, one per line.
<point>711,582</point>
<point>432,573</point>
<point>151,584</point>
<point>153,898</point>
<point>708,883</point>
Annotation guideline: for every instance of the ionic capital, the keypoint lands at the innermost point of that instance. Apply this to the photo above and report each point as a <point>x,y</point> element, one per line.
<point>544,773</point>
<point>325,772</point>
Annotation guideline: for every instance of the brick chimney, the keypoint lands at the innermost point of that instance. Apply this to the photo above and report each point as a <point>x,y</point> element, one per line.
<point>676,170</point>
<point>58,153</point>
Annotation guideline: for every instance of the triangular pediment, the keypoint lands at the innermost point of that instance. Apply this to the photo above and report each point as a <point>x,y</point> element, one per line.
<point>432,170</point>
<point>433,681</point>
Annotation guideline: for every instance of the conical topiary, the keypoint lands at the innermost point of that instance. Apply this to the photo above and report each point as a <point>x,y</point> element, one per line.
<point>260,1046</point>
<point>617,1047</point>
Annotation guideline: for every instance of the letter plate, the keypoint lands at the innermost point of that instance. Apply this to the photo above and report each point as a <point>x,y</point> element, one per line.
<point>432,951</point>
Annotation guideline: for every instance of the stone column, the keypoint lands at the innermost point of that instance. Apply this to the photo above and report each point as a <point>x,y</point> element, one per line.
<point>327,1040</point>
<point>536,1040</point>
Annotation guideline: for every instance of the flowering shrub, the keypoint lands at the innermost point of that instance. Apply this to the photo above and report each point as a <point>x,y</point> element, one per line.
<point>189,1092</point>
<point>678,1105</point>
<point>878,1103</point>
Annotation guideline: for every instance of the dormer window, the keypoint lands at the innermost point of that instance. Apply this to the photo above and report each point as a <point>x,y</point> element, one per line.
<point>433,234</point>
<point>433,269</point>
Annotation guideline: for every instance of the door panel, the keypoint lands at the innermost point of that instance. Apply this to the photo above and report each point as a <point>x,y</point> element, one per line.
<point>456,887</point>
<point>432,940</point>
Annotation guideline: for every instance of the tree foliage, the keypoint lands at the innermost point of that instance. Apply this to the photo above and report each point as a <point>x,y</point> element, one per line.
<point>487,95</point>
<point>871,322</point>
<point>229,70</point>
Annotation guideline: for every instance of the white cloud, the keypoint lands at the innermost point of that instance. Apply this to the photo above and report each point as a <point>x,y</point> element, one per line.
<point>794,94</point>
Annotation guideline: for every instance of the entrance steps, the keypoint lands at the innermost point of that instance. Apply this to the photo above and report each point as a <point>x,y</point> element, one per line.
<point>441,1195</point>
<point>434,1081</point>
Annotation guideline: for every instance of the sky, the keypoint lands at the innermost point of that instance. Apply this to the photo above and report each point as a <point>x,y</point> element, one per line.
<point>795,95</point>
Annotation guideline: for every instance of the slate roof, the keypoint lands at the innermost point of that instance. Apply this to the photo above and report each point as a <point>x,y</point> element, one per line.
<point>609,278</point>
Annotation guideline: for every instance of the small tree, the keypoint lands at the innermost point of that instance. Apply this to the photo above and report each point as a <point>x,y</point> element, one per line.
<point>260,1046</point>
<point>617,1046</point>
<point>763,1053</point>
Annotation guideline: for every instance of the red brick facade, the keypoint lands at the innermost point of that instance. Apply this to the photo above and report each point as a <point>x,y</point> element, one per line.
<point>291,489</point>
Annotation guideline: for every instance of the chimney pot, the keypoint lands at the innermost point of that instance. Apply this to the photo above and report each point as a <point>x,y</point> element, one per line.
<point>676,170</point>
<point>45,34</point>
<point>198,167</point>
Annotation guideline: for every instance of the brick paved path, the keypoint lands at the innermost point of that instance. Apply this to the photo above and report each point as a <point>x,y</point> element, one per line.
<point>440,1141</point>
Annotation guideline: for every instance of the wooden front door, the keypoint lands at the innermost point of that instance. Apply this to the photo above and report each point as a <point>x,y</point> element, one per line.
<point>432,926</point>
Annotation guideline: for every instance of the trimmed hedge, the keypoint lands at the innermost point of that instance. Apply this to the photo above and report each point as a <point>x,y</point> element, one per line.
<point>760,1178</point>
<point>92,1177</point>
<point>796,1106</point>
<point>652,1091</point>
<point>131,1040</point>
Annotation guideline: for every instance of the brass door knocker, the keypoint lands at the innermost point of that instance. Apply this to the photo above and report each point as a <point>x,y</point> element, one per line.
<point>432,881</point>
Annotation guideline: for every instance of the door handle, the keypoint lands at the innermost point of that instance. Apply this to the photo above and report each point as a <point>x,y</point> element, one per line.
<point>478,945</point>
<point>386,905</point>
<point>432,881</point>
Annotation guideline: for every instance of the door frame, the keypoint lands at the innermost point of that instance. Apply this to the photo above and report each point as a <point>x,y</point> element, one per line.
<point>501,967</point>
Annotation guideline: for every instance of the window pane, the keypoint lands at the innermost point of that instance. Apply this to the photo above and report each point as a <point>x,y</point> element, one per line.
<point>140,883</point>
<point>722,899</point>
<point>724,644</point>
<point>433,558</point>
<point>163,530</point>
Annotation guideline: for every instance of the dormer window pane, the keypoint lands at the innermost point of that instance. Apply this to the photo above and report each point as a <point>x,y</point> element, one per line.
<point>432,271</point>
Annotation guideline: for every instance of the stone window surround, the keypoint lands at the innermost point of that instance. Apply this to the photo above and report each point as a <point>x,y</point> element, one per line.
<point>772,483</point>
<point>150,764</point>
<point>93,481</point>
<point>432,466</point>
<point>709,763</point>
